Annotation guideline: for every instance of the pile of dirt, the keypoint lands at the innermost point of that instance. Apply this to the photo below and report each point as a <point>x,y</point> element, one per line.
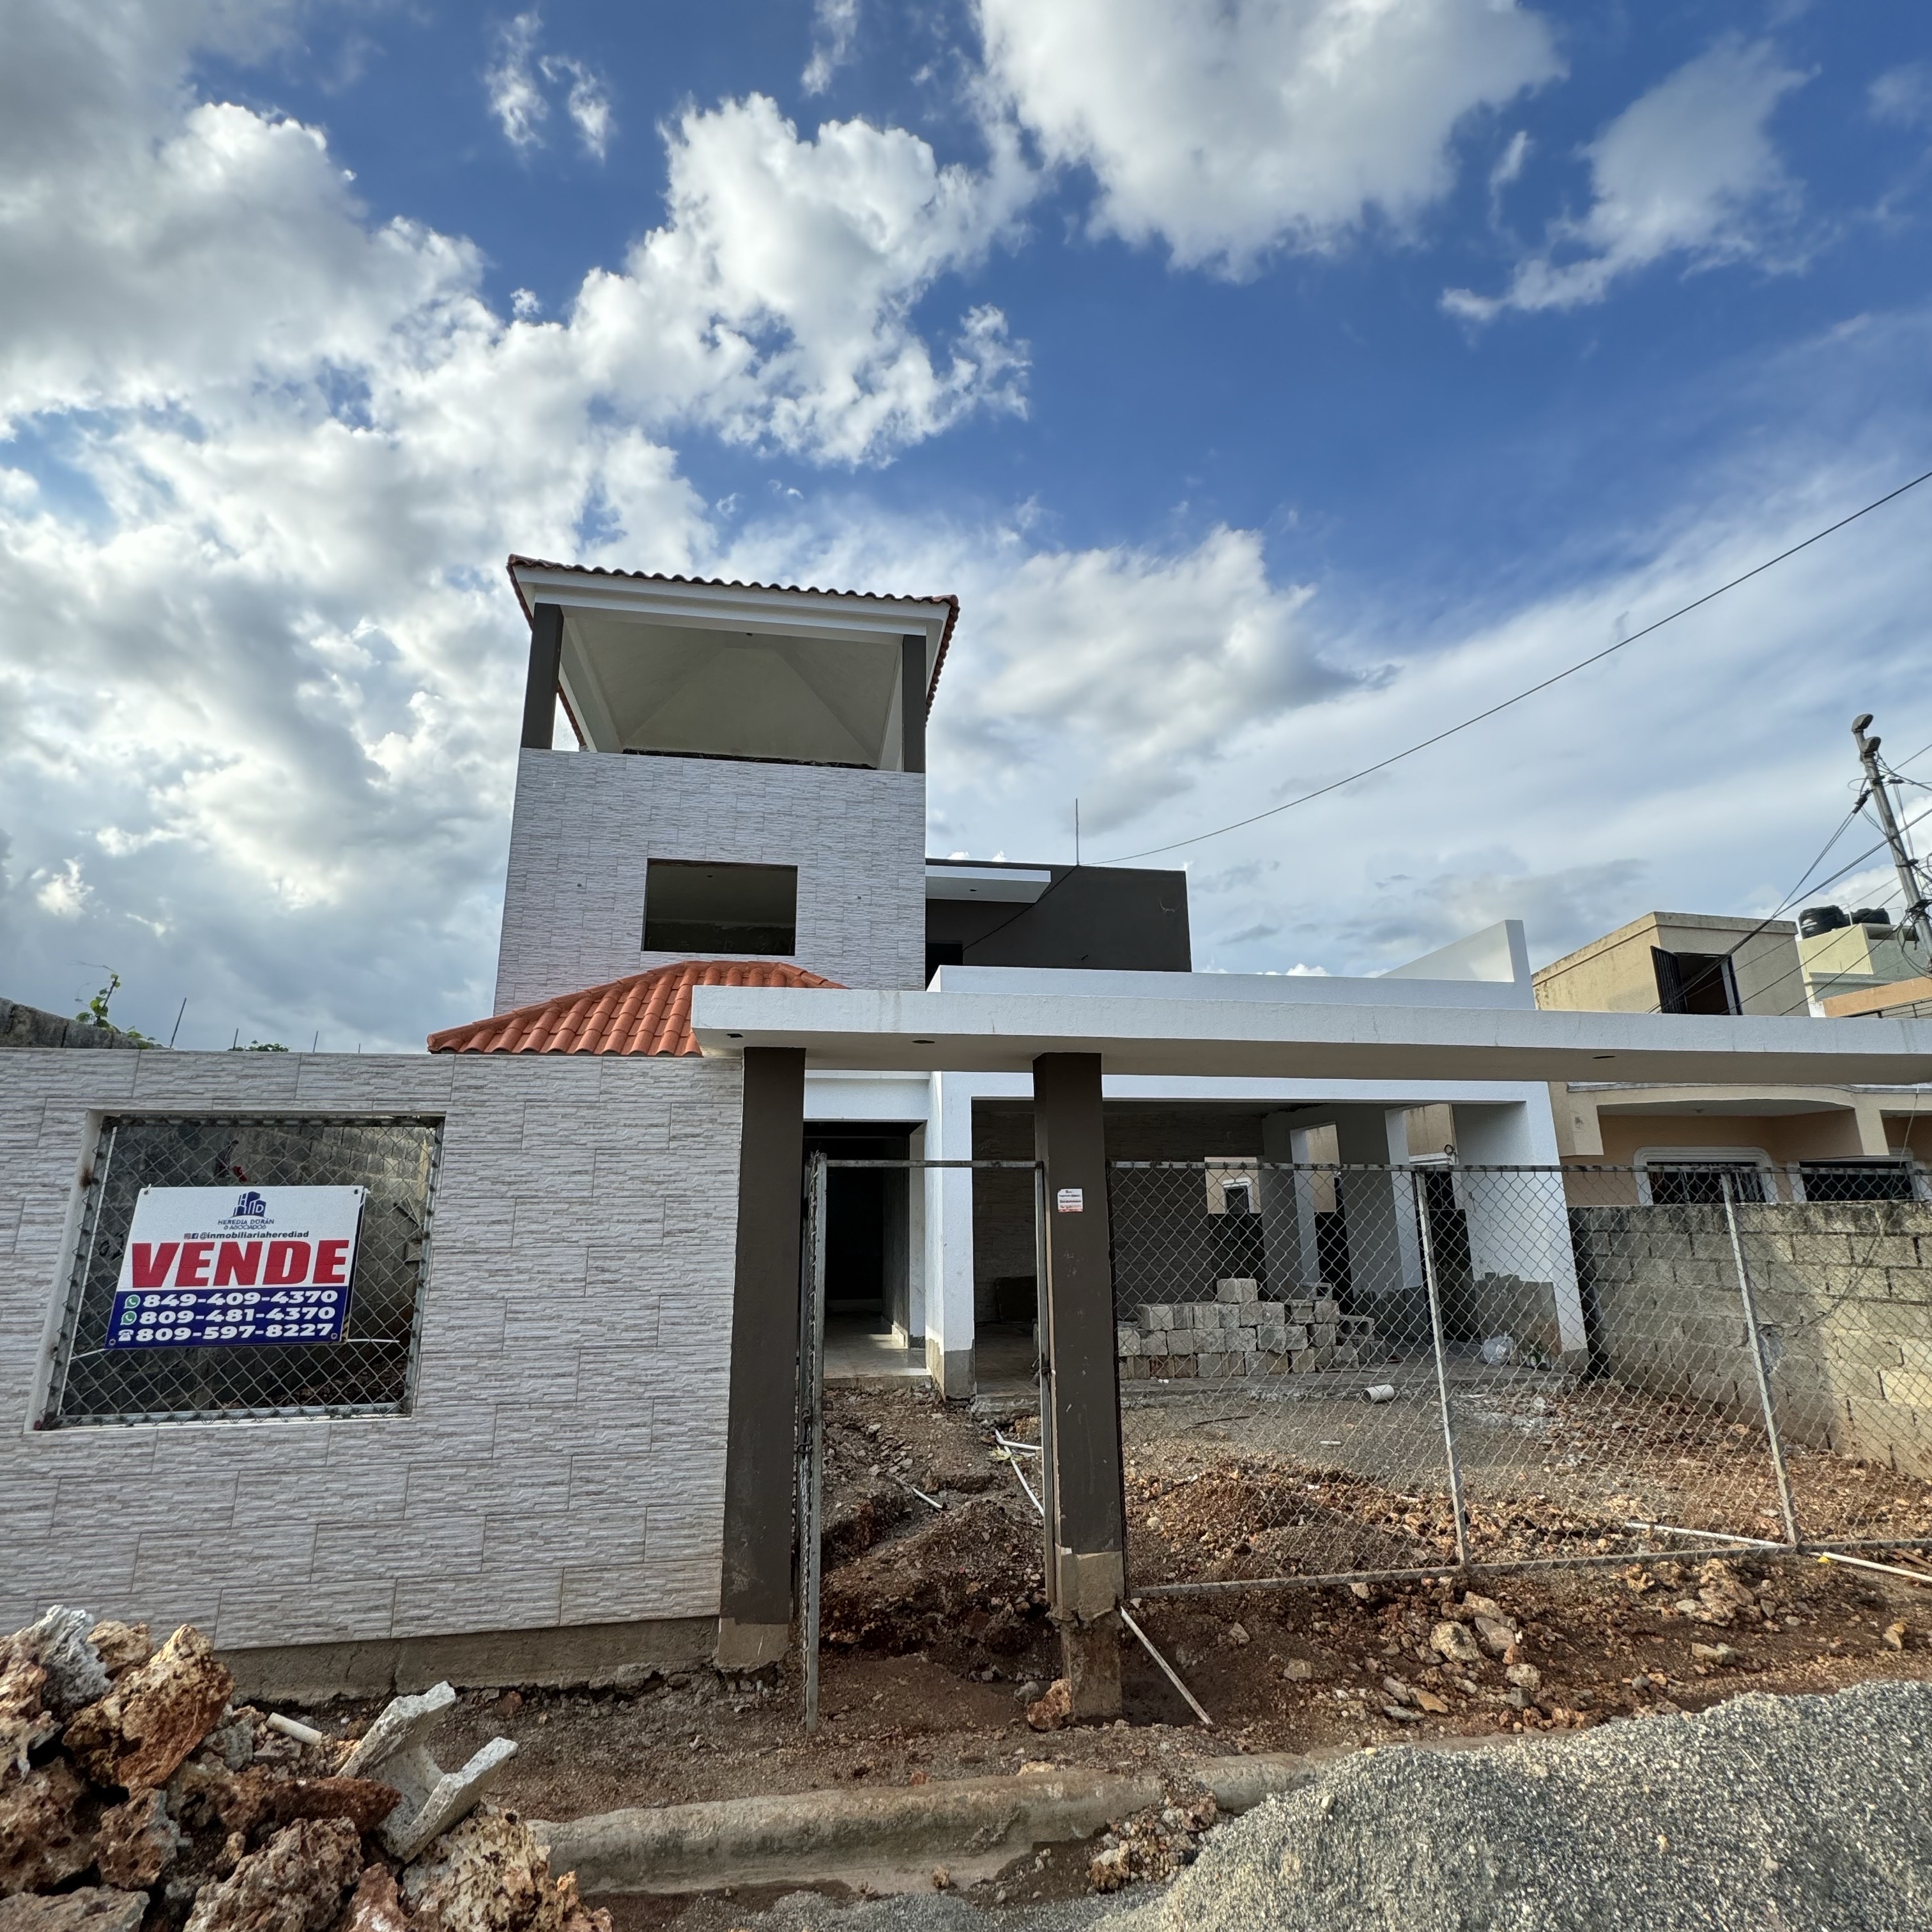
<point>136,1796</point>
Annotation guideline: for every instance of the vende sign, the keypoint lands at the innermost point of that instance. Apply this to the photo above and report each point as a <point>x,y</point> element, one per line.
<point>217,1265</point>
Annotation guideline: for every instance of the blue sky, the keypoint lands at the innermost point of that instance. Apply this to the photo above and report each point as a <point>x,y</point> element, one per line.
<point>1274,380</point>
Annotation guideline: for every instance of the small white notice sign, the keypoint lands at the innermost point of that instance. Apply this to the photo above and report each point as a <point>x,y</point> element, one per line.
<point>1072,1200</point>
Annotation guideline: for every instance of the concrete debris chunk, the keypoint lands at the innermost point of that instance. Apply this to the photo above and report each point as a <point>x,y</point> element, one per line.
<point>433,1800</point>
<point>59,1644</point>
<point>256,1796</point>
<point>294,1883</point>
<point>1494,1636</point>
<point>140,1732</point>
<point>91,1908</point>
<point>121,1646</point>
<point>135,1842</point>
<point>43,1841</point>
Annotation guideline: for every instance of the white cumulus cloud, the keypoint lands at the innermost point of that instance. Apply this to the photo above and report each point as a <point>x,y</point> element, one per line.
<point>834,26</point>
<point>1228,128</point>
<point>521,82</point>
<point>1688,170</point>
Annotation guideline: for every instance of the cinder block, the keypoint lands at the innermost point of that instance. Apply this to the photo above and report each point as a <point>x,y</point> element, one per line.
<point>1238,1288</point>
<point>1346,1355</point>
<point>1272,1341</point>
<point>1137,1368</point>
<point>1215,1367</point>
<point>1126,1341</point>
<point>1296,1336</point>
<point>1302,1359</point>
<point>1325,1309</point>
<point>1301,1311</point>
<point>1243,1340</point>
<point>1322,1335</point>
<point>1156,1318</point>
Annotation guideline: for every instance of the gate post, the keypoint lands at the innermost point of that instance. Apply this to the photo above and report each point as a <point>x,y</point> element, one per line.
<point>1086,1530</point>
<point>755,1582</point>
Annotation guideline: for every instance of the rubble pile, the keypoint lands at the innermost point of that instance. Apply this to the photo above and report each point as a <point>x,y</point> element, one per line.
<point>1153,1845</point>
<point>137,1796</point>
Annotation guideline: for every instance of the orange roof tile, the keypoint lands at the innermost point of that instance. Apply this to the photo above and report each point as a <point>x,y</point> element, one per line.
<point>647,1013</point>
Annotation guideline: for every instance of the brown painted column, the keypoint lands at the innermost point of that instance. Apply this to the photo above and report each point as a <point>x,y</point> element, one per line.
<point>540,684</point>
<point>1087,1533</point>
<point>755,1592</point>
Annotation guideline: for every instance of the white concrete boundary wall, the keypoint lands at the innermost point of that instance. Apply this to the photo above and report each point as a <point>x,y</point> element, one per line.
<point>564,1462</point>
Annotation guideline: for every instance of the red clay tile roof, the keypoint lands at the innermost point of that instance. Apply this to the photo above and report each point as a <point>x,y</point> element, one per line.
<point>733,583</point>
<point>649,1012</point>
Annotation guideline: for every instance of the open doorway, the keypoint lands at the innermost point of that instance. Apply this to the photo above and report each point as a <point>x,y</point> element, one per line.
<point>868,1229</point>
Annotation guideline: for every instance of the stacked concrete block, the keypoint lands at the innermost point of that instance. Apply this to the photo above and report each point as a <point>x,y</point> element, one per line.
<point>1240,1333</point>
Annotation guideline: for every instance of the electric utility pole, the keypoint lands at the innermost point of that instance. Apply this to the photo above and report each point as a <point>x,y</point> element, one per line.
<point>1912,920</point>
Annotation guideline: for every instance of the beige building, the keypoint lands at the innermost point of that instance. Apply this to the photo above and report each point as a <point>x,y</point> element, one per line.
<point>1781,1143</point>
<point>1863,957</point>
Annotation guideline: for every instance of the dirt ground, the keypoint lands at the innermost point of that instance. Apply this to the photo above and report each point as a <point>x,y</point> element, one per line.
<point>936,1636</point>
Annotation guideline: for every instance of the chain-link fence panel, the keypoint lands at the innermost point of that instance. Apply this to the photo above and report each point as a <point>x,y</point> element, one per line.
<point>365,1364</point>
<point>1843,1292</point>
<point>1282,1407</point>
<point>1602,1383</point>
<point>1333,1371</point>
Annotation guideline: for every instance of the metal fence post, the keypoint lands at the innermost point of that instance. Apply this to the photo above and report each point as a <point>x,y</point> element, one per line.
<point>1419,1195</point>
<point>812,1433</point>
<point>1757,1339</point>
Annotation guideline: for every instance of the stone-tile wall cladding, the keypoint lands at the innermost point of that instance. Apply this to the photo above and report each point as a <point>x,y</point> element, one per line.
<point>1844,1300</point>
<point>564,1461</point>
<point>586,823</point>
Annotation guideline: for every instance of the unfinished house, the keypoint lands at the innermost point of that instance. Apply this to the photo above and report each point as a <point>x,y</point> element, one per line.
<point>481,1362</point>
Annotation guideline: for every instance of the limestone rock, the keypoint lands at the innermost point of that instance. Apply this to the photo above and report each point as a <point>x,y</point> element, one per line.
<point>58,1643</point>
<point>24,1719</point>
<point>1454,1642</point>
<point>1482,1607</point>
<point>91,1908</point>
<point>574,1914</point>
<point>487,1874</point>
<point>135,1842</point>
<point>376,1905</point>
<point>121,1646</point>
<point>294,1883</point>
<point>137,1735</point>
<point>1054,1709</point>
<point>43,1836</point>
<point>1494,1636</point>
<point>363,1801</point>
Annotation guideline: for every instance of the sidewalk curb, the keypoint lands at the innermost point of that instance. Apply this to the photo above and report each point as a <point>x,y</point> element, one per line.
<point>889,1840</point>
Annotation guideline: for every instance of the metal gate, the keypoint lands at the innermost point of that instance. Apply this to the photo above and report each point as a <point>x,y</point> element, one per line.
<point>1344,1373</point>
<point>809,1502</point>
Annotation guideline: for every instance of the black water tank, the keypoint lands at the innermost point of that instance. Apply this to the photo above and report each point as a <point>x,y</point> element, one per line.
<point>1815,919</point>
<point>1872,916</point>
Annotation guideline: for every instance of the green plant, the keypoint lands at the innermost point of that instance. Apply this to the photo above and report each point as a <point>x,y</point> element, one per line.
<point>96,1014</point>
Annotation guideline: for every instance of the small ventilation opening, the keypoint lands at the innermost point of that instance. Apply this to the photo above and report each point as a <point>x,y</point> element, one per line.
<point>694,907</point>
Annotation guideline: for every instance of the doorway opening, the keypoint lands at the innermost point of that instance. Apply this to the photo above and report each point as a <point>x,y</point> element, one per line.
<point>868,1231</point>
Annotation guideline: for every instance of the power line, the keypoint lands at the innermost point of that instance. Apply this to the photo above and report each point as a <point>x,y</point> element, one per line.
<point>1582,664</point>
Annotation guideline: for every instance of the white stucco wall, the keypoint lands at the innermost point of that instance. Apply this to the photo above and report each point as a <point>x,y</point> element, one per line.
<point>564,1462</point>
<point>586,823</point>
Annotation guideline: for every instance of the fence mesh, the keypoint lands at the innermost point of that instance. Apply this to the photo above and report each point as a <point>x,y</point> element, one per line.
<point>1345,1371</point>
<point>369,1369</point>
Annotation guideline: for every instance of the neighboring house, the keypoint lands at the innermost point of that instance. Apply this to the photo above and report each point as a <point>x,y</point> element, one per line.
<point>1846,956</point>
<point>1833,1143</point>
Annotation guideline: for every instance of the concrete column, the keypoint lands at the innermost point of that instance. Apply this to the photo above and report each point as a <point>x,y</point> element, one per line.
<point>1518,1223</point>
<point>755,1589</point>
<point>916,1244</point>
<point>1287,1210</point>
<point>1384,1247</point>
<point>948,1240</point>
<point>1087,1530</point>
<point>540,684</point>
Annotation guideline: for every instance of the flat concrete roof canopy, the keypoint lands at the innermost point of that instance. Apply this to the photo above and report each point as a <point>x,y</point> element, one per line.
<point>1005,1033</point>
